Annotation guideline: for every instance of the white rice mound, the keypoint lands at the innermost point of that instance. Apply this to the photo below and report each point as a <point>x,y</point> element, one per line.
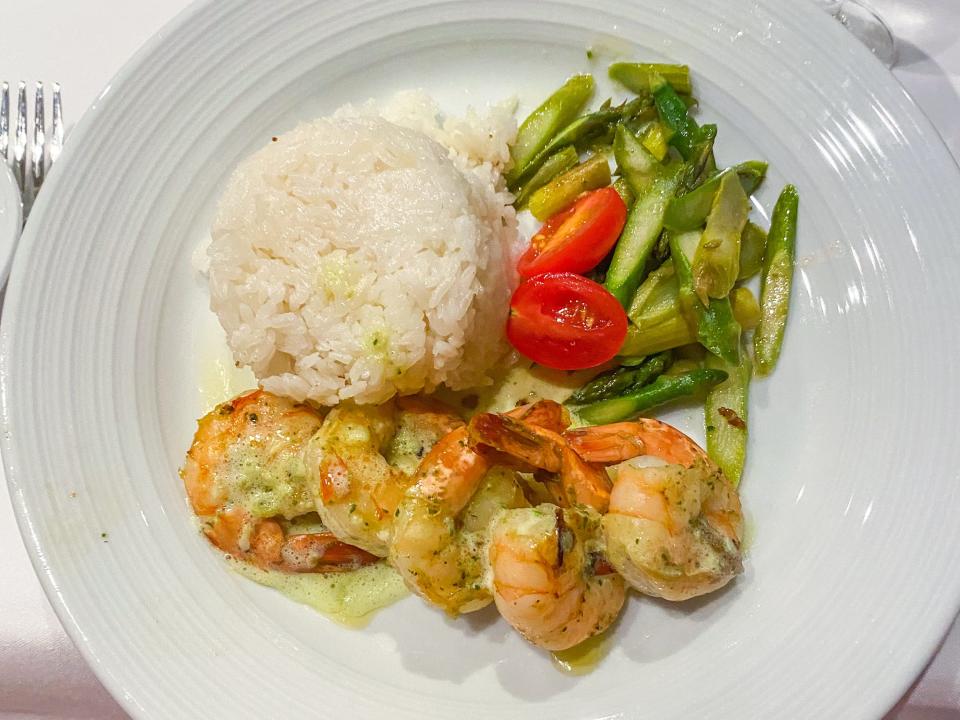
<point>370,253</point>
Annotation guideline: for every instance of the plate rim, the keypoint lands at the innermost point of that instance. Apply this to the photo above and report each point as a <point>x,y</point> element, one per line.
<point>12,229</point>
<point>11,319</point>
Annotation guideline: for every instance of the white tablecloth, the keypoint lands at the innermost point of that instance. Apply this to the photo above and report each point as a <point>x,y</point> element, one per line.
<point>81,45</point>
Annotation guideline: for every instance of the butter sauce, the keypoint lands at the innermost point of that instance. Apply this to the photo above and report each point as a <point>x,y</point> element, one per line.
<point>522,383</point>
<point>349,598</point>
<point>218,378</point>
<point>583,658</point>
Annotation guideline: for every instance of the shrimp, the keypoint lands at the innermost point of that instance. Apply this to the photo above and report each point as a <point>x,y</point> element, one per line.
<point>361,460</point>
<point>672,523</point>
<point>542,447</point>
<point>439,536</point>
<point>245,479</point>
<point>549,581</point>
<point>674,526</point>
<point>606,443</point>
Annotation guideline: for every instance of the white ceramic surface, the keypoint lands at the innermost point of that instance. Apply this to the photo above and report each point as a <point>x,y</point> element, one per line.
<point>849,582</point>
<point>10,220</point>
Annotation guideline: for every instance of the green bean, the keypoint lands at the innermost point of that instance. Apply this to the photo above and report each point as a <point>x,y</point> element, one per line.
<point>689,211</point>
<point>673,113</point>
<point>753,241</point>
<point>636,76</point>
<point>635,163</point>
<point>662,390</point>
<point>714,323</point>
<point>564,189</point>
<point>644,223</point>
<point>716,262</point>
<point>777,280</point>
<point>545,122</point>
<point>559,162</point>
<point>726,416</point>
<point>621,381</point>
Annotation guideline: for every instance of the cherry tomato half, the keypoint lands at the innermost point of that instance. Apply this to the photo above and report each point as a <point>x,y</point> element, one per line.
<point>576,239</point>
<point>565,321</point>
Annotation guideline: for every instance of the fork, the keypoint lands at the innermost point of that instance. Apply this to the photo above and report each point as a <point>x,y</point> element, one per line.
<point>42,152</point>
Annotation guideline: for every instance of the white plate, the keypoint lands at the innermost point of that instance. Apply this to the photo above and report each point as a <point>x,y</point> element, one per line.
<point>10,220</point>
<point>852,485</point>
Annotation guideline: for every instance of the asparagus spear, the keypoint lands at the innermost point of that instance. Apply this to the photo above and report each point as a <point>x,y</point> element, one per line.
<point>636,76</point>
<point>753,242</point>
<point>726,416</point>
<point>621,381</point>
<point>564,189</point>
<point>673,113</point>
<point>714,323</point>
<point>656,299</point>
<point>657,323</point>
<point>690,211</point>
<point>637,166</point>
<point>640,234</point>
<point>559,162</point>
<point>542,124</point>
<point>777,280</point>
<point>594,128</point>
<point>662,390</point>
<point>656,139</point>
<point>623,189</point>
<point>672,330</point>
<point>671,333</point>
<point>745,307</point>
<point>716,262</point>
<point>591,124</point>
<point>702,164</point>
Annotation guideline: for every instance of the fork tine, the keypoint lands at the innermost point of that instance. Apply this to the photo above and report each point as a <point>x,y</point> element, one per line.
<point>4,119</point>
<point>20,141</point>
<point>56,142</point>
<point>39,140</point>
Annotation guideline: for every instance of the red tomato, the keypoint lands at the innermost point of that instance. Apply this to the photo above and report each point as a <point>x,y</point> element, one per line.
<point>566,321</point>
<point>576,239</point>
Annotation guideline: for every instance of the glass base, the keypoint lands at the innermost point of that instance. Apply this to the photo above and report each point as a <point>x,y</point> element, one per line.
<point>870,29</point>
